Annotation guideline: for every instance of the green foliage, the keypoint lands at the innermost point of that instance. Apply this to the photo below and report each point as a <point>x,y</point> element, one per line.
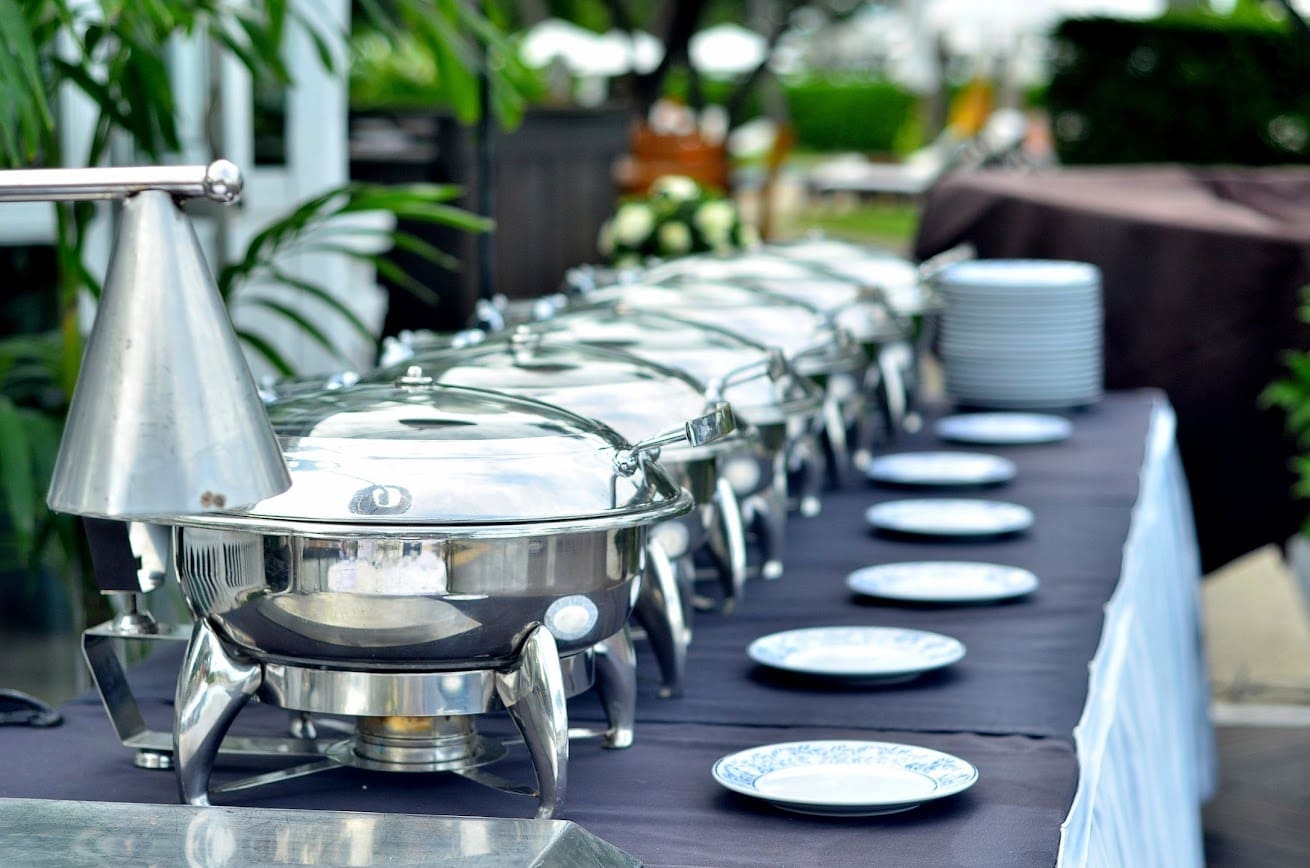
<point>849,114</point>
<point>431,53</point>
<point>830,114</point>
<point>1190,87</point>
<point>114,53</point>
<point>313,227</point>
<point>1291,394</point>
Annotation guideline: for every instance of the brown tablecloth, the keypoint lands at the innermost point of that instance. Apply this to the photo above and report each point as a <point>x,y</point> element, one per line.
<point>1202,271</point>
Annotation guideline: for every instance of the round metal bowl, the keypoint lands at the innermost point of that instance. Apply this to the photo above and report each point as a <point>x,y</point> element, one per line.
<point>428,527</point>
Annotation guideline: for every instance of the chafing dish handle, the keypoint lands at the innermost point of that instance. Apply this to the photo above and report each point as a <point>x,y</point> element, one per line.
<point>116,565</point>
<point>774,367</point>
<point>933,266</point>
<point>714,425</point>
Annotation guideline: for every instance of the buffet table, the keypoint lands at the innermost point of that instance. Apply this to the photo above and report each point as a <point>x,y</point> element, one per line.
<point>1202,275</point>
<point>1074,770</point>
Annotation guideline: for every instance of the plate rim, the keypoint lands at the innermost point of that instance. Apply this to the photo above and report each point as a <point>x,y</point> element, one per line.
<point>1031,517</point>
<point>933,796</point>
<point>1005,470</point>
<point>957,654</point>
<point>1066,429</point>
<point>1032,587</point>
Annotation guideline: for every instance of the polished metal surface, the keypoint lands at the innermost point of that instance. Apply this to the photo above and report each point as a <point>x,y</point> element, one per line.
<point>616,682</point>
<point>421,744</point>
<point>414,602</point>
<point>848,302</point>
<point>165,419</point>
<point>728,545</point>
<point>401,694</point>
<point>804,333</point>
<point>768,393</point>
<point>662,614</point>
<point>44,833</point>
<point>713,427</point>
<point>532,689</point>
<point>406,721</point>
<point>211,689</point>
<point>220,180</point>
<point>421,458</point>
<point>634,396</point>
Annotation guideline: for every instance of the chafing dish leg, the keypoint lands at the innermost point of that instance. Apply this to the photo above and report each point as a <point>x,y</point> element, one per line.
<point>211,689</point>
<point>837,448</point>
<point>616,682</point>
<point>532,689</point>
<point>893,392</point>
<point>728,544</point>
<point>813,469</point>
<point>769,524</point>
<point>661,614</point>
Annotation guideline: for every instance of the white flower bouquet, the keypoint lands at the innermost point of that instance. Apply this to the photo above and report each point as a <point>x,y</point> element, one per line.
<point>677,218</point>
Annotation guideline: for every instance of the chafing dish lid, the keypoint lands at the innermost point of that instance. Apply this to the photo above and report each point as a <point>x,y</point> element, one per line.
<point>420,454</point>
<point>705,352</point>
<point>796,327</point>
<point>854,301</point>
<point>897,278</point>
<point>636,397</point>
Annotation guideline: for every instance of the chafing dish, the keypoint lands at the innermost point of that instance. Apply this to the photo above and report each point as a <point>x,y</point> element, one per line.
<point>442,552</point>
<point>783,407</point>
<point>637,398</point>
<point>807,336</point>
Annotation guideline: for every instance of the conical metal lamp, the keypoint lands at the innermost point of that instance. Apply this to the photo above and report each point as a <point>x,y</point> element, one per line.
<point>165,419</point>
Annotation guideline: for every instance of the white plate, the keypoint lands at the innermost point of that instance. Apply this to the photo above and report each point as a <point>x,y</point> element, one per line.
<point>1040,274</point>
<point>941,468</point>
<point>867,655</point>
<point>1004,429</point>
<point>844,778</point>
<point>942,582</point>
<point>949,517</point>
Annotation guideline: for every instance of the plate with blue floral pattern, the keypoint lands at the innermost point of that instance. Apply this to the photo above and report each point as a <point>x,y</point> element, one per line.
<point>844,778</point>
<point>867,655</point>
<point>942,582</point>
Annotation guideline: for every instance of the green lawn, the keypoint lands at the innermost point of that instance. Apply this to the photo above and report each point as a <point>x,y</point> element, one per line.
<point>887,224</point>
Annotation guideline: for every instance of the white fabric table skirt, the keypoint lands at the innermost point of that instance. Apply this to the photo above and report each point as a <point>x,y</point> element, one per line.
<point>1145,744</point>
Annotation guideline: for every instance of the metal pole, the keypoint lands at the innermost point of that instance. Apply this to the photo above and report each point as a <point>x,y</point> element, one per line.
<point>486,185</point>
<point>220,181</point>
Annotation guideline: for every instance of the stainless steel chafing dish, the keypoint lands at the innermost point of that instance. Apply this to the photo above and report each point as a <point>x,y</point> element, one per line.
<point>637,398</point>
<point>764,389</point>
<point>810,340</point>
<point>441,552</point>
<point>807,336</point>
<point>856,307</point>
<point>904,284</point>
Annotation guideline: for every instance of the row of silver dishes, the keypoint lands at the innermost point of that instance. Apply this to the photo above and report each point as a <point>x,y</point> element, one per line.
<point>637,398</point>
<point>444,551</point>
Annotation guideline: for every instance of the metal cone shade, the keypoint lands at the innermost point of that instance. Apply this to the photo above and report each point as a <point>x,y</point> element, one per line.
<point>165,418</point>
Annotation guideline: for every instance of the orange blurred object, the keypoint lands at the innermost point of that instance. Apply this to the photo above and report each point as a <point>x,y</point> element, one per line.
<point>655,155</point>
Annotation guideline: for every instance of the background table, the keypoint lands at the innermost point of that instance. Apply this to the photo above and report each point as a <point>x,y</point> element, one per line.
<point>1071,758</point>
<point>1202,275</point>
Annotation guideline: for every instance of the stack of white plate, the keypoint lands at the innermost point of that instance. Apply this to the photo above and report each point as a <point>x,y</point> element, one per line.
<point>1022,334</point>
